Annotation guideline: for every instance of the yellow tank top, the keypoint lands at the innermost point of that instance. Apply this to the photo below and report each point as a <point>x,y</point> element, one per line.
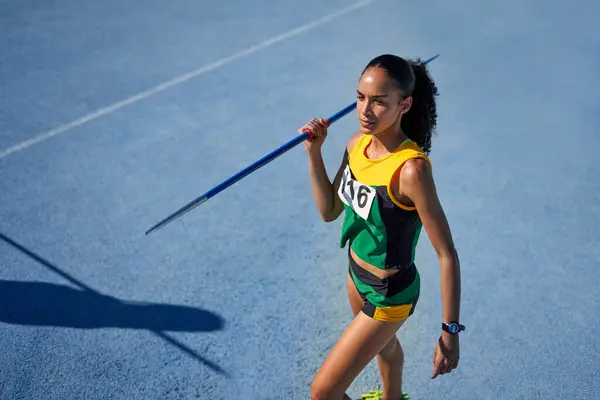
<point>381,230</point>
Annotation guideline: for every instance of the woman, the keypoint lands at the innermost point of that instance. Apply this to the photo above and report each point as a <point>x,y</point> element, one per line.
<point>386,188</point>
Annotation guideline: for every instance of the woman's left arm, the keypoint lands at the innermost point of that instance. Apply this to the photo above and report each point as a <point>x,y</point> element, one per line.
<point>416,182</point>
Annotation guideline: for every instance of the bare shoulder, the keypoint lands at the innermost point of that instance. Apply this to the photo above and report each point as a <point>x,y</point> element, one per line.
<point>353,141</point>
<point>415,170</point>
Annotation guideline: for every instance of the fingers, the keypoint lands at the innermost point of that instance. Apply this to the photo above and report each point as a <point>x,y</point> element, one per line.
<point>315,127</point>
<point>445,358</point>
<point>437,365</point>
<point>455,364</point>
<point>436,372</point>
<point>442,366</point>
<point>445,368</point>
<point>439,368</point>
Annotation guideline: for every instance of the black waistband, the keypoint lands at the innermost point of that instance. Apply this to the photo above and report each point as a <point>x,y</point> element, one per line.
<point>387,286</point>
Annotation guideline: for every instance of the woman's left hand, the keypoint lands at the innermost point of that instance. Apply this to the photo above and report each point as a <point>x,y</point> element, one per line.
<point>445,355</point>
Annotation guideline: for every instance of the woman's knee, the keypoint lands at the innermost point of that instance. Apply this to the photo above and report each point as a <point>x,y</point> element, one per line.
<point>391,349</point>
<point>317,392</point>
<point>321,390</point>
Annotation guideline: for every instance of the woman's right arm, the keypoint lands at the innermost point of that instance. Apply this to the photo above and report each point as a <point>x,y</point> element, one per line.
<point>324,191</point>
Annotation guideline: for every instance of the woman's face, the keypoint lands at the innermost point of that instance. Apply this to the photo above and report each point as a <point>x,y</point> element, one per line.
<point>380,103</point>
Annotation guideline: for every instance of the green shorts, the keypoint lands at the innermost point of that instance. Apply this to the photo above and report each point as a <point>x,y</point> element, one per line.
<point>389,299</point>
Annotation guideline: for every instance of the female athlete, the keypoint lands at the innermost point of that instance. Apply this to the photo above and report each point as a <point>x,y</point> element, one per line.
<point>386,189</point>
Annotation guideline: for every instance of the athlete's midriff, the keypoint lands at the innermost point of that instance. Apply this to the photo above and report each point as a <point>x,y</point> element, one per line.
<point>378,272</point>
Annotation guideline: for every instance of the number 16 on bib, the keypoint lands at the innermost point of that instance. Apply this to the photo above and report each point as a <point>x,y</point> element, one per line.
<point>356,195</point>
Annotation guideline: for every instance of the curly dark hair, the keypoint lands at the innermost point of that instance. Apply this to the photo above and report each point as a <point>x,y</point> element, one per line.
<point>414,80</point>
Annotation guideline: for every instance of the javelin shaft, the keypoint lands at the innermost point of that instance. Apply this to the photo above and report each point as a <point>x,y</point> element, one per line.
<point>246,171</point>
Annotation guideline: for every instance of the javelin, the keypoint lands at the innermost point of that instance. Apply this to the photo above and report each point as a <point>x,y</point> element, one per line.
<point>253,167</point>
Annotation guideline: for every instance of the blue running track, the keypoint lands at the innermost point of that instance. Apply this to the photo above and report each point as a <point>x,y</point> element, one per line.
<point>113,114</point>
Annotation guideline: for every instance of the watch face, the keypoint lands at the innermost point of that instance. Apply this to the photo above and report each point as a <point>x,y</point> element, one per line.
<point>453,328</point>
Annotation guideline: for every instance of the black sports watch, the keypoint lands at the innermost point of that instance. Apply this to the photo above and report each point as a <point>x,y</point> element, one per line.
<point>453,327</point>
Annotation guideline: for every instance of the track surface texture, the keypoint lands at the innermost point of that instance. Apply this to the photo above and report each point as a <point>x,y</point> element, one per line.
<point>114,114</point>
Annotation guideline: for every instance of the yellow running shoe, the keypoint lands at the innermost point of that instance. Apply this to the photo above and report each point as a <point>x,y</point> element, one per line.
<point>376,395</point>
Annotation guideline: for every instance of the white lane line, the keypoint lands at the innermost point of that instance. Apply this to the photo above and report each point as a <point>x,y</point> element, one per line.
<point>176,81</point>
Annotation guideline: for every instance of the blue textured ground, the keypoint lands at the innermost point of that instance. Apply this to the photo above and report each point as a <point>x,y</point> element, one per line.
<point>245,295</point>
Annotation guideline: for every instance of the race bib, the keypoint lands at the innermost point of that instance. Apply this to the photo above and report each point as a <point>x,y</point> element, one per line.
<point>356,195</point>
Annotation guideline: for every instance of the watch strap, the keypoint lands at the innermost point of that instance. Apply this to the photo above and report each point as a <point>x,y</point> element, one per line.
<point>453,327</point>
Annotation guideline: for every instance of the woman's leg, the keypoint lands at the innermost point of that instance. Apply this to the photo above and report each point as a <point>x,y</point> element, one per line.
<point>390,359</point>
<point>391,362</point>
<point>364,338</point>
<point>359,344</point>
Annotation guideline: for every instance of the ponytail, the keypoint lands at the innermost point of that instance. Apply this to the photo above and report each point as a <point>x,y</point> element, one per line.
<point>419,123</point>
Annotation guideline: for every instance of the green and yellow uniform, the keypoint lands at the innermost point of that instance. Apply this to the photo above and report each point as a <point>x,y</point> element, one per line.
<point>381,231</point>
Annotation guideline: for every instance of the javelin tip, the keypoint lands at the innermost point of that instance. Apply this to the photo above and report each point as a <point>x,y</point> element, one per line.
<point>183,210</point>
